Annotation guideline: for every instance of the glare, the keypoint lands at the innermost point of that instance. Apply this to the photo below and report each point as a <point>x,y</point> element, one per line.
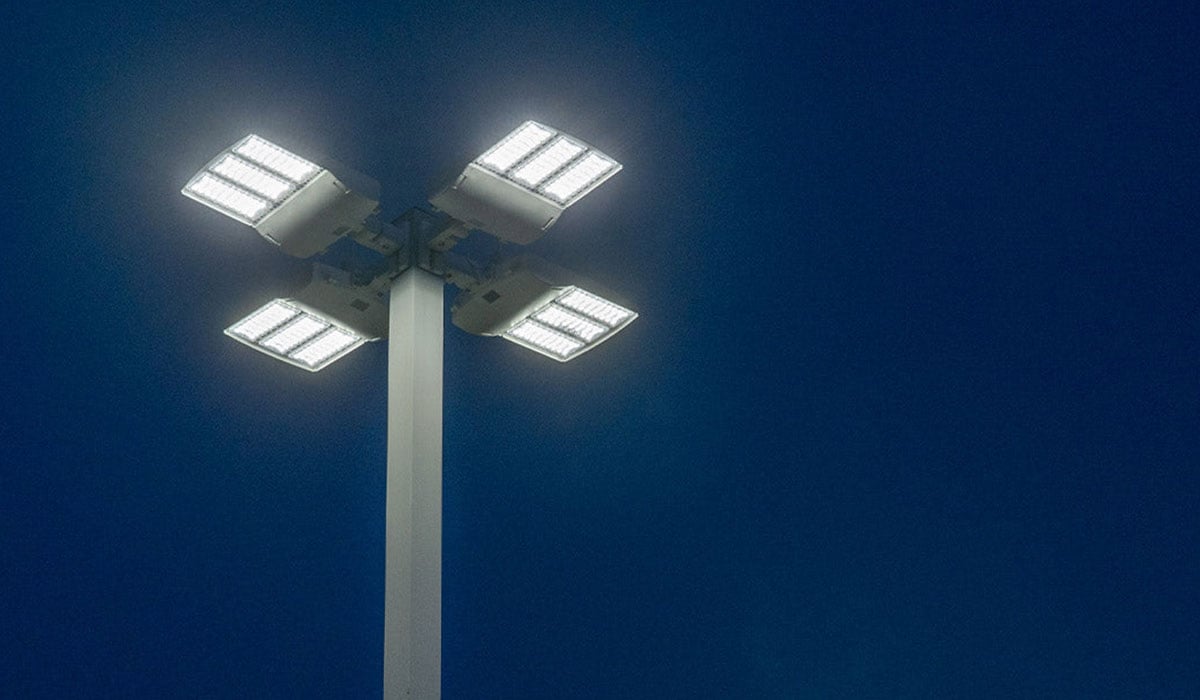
<point>516,146</point>
<point>552,158</point>
<point>223,196</point>
<point>274,158</point>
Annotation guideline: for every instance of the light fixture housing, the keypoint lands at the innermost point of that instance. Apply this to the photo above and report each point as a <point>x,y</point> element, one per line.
<point>518,188</point>
<point>290,201</point>
<point>326,321</point>
<point>526,302</point>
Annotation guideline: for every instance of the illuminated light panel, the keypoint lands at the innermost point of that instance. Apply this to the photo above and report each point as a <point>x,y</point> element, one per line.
<point>274,158</point>
<point>325,347</point>
<point>223,196</point>
<point>559,318</point>
<point>250,180</point>
<point>546,162</point>
<point>575,178</point>
<point>543,339</point>
<point>249,177</point>
<point>572,324</point>
<point>594,307</point>
<point>265,320</point>
<point>294,333</point>
<point>556,155</point>
<point>516,146</point>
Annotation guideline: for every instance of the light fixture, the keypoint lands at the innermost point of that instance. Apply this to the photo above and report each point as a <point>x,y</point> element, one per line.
<point>518,188</point>
<point>326,321</point>
<point>287,331</point>
<point>296,204</point>
<point>523,302</point>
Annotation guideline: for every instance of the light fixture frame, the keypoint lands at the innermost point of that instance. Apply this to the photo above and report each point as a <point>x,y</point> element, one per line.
<point>317,211</point>
<point>490,199</point>
<point>520,289</point>
<point>331,297</point>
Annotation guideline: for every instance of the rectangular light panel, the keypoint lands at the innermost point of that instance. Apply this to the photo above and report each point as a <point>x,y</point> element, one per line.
<point>250,179</point>
<point>295,335</point>
<point>575,322</point>
<point>516,146</point>
<point>549,163</point>
<point>268,155</point>
<point>585,171</point>
<point>549,160</point>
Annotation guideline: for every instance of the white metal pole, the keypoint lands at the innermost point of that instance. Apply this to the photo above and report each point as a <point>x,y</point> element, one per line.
<point>412,638</point>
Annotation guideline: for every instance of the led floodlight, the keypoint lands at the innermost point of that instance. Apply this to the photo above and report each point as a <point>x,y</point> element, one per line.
<point>518,188</point>
<point>520,304</point>
<point>287,331</point>
<point>324,322</point>
<point>299,206</point>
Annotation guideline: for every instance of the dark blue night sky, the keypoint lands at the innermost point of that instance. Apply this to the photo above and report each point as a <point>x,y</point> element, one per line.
<point>911,409</point>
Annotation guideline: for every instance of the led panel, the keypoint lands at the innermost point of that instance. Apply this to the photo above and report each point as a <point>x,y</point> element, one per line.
<point>574,179</point>
<point>254,179</point>
<point>575,322</point>
<point>295,335</point>
<point>516,146</point>
<point>595,307</point>
<point>250,179</point>
<point>268,318</point>
<point>545,340</point>
<point>268,155</point>
<point>559,318</point>
<point>548,163</point>
<point>330,343</point>
<point>227,198</point>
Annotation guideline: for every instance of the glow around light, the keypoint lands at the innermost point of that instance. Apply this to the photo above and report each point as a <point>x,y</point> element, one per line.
<point>516,146</point>
<point>272,157</point>
<point>552,158</point>
<point>548,163</point>
<point>575,322</point>
<point>227,198</point>
<point>295,335</point>
<point>583,173</point>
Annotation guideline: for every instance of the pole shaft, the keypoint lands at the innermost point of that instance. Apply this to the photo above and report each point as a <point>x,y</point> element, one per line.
<point>412,638</point>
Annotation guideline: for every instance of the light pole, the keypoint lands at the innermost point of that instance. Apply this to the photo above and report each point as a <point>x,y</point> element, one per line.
<point>514,191</point>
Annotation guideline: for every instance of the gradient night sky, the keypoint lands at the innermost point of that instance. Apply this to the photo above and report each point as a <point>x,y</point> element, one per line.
<point>911,409</point>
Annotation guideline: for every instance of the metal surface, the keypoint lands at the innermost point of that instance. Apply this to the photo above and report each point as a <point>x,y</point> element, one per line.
<point>412,639</point>
<point>483,200</point>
